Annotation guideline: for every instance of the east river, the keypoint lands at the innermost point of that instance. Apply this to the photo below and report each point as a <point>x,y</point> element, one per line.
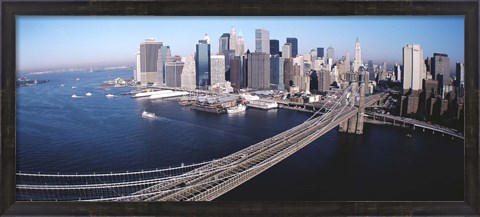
<point>58,133</point>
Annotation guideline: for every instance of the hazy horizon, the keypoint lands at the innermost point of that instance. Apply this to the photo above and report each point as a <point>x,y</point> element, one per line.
<point>55,42</point>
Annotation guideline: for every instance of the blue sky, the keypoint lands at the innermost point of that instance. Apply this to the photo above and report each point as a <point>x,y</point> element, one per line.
<point>52,42</point>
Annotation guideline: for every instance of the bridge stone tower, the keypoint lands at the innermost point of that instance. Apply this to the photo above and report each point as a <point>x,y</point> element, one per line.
<point>355,123</point>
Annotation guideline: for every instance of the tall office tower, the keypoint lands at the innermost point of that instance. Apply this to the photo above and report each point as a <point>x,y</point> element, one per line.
<point>357,61</point>
<point>294,43</point>
<point>299,61</point>
<point>313,55</point>
<point>262,41</point>
<point>441,70</point>
<point>397,72</point>
<point>223,43</point>
<point>276,73</point>
<point>371,71</point>
<point>233,38</point>
<point>236,70</point>
<point>385,71</point>
<point>288,72</point>
<point>347,60</point>
<point>136,73</point>
<point>229,55</point>
<point>413,66</point>
<point>274,47</point>
<point>460,79</point>
<point>173,73</point>
<point>148,61</point>
<point>164,55</point>
<point>259,70</point>
<point>323,80</point>
<point>187,78</point>
<point>320,52</point>
<point>428,67</point>
<point>330,53</point>
<point>202,64</point>
<point>217,69</point>
<point>244,76</point>
<point>240,45</point>
<point>287,50</point>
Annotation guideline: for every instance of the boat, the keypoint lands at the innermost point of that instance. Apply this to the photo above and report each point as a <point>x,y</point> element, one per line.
<point>78,79</point>
<point>168,94</point>
<point>236,109</point>
<point>409,135</point>
<point>88,94</point>
<point>109,95</point>
<point>185,102</point>
<point>148,114</point>
<point>74,87</point>
<point>62,85</point>
<point>263,104</point>
<point>75,96</point>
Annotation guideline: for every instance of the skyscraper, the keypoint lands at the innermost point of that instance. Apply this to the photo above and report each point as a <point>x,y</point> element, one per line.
<point>233,38</point>
<point>187,78</point>
<point>217,69</point>
<point>236,70</point>
<point>323,80</point>
<point>137,72</point>
<point>320,52</point>
<point>262,41</point>
<point>148,61</point>
<point>330,53</point>
<point>441,70</point>
<point>347,60</point>
<point>313,55</point>
<point>460,79</point>
<point>173,73</point>
<point>294,43</point>
<point>413,67</point>
<point>202,64</point>
<point>164,55</point>
<point>229,55</point>
<point>259,70</point>
<point>287,50</point>
<point>276,73</point>
<point>240,45</point>
<point>224,43</point>
<point>357,61</point>
<point>274,47</point>
<point>371,71</point>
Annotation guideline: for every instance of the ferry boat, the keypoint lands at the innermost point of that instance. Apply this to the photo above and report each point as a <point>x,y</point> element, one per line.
<point>109,95</point>
<point>236,109</point>
<point>88,94</point>
<point>148,114</point>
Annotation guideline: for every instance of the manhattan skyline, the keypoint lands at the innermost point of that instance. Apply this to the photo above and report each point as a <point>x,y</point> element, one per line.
<point>54,42</point>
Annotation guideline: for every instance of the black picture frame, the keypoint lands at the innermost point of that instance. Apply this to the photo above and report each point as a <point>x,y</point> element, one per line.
<point>467,8</point>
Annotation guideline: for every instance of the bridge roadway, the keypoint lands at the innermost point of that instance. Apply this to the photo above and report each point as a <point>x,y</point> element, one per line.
<point>415,124</point>
<point>207,181</point>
